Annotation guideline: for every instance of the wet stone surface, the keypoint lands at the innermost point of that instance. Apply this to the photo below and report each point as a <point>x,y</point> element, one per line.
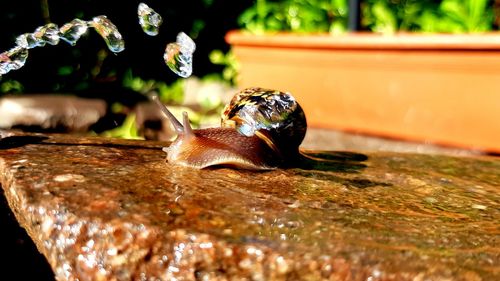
<point>101,209</point>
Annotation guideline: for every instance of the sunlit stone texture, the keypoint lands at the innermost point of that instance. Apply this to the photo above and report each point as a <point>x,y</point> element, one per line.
<point>104,209</point>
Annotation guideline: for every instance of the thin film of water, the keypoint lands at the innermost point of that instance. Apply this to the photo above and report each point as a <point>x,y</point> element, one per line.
<point>149,20</point>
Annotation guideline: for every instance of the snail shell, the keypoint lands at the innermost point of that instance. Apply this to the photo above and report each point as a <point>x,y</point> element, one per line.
<point>273,116</point>
<point>260,129</point>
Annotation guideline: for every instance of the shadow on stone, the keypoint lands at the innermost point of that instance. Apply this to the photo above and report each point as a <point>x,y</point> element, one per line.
<point>340,156</point>
<point>19,141</point>
<point>334,161</point>
<point>364,183</point>
<point>109,145</point>
<point>16,141</point>
<point>21,259</point>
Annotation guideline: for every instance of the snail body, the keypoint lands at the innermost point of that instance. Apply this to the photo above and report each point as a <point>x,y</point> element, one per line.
<point>260,129</point>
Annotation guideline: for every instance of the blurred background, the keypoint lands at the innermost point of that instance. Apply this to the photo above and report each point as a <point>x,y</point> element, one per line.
<point>89,65</point>
<point>90,70</point>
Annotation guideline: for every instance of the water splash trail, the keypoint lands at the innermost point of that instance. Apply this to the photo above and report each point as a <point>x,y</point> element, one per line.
<point>70,32</point>
<point>109,33</point>
<point>178,55</point>
<point>13,59</point>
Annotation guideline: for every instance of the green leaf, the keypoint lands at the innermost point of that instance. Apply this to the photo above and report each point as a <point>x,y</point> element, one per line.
<point>11,86</point>
<point>65,70</point>
<point>386,20</point>
<point>128,130</point>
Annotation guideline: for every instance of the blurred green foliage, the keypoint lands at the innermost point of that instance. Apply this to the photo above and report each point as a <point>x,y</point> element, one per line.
<point>229,62</point>
<point>446,16</point>
<point>11,86</point>
<point>128,129</point>
<point>172,93</point>
<point>384,16</point>
<point>459,16</point>
<point>296,16</point>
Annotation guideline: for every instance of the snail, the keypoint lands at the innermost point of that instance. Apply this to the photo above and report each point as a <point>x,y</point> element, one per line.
<point>261,129</point>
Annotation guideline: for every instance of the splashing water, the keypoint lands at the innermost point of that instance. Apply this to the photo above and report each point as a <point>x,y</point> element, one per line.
<point>179,63</point>
<point>49,33</point>
<point>109,33</point>
<point>179,55</point>
<point>149,20</point>
<point>28,41</point>
<point>13,59</point>
<point>187,44</point>
<point>173,60</point>
<point>72,31</point>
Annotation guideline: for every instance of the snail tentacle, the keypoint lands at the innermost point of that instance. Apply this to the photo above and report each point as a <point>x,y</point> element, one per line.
<point>175,123</point>
<point>188,131</point>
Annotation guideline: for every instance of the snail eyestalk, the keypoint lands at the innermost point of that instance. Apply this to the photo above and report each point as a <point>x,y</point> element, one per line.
<point>175,123</point>
<point>188,131</point>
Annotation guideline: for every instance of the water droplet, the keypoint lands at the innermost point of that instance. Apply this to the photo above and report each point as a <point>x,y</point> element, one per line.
<point>109,33</point>
<point>48,33</point>
<point>149,20</point>
<point>179,55</point>
<point>69,177</point>
<point>13,59</point>
<point>187,44</point>
<point>178,62</point>
<point>479,207</point>
<point>72,31</point>
<point>29,41</point>
<point>430,200</point>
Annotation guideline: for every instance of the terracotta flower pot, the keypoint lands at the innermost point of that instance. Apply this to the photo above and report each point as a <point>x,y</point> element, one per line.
<point>435,88</point>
